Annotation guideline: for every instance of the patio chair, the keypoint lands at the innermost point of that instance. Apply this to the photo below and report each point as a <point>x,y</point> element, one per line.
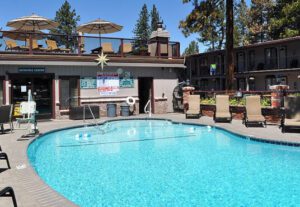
<point>3,156</point>
<point>194,107</point>
<point>9,192</point>
<point>28,112</point>
<point>6,116</point>
<point>222,111</point>
<point>12,45</point>
<point>290,116</point>
<point>52,46</point>
<point>253,114</point>
<point>107,47</point>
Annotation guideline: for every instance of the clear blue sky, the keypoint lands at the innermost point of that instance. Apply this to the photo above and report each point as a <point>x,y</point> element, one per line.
<point>123,12</point>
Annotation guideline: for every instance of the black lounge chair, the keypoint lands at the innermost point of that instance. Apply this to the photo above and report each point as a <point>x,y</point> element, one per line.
<point>6,116</point>
<point>9,192</point>
<point>3,156</point>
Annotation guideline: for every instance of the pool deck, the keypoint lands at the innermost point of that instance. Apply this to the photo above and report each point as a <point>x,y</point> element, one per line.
<point>31,191</point>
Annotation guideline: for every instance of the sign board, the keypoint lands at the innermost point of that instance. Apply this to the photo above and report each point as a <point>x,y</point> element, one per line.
<point>108,83</point>
<point>31,70</point>
<point>213,68</point>
<point>88,83</point>
<point>126,83</point>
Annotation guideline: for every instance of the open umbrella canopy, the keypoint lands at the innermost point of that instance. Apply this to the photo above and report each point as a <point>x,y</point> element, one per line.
<point>32,23</point>
<point>99,26</point>
<point>22,35</point>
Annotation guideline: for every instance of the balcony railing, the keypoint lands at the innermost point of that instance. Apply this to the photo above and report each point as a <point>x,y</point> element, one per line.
<point>49,44</point>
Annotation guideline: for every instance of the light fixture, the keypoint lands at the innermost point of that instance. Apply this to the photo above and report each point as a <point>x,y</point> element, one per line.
<point>251,78</point>
<point>298,76</point>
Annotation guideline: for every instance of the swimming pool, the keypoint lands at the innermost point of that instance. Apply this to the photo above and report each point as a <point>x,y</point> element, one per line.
<point>160,163</point>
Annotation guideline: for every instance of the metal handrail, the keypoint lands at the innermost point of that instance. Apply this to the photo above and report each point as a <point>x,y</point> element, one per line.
<point>146,106</point>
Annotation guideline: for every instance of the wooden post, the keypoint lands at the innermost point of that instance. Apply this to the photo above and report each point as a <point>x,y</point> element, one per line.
<point>229,45</point>
<point>79,45</point>
<point>30,44</point>
<point>122,47</point>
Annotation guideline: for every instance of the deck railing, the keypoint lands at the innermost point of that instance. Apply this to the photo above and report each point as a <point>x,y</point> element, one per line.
<point>41,43</point>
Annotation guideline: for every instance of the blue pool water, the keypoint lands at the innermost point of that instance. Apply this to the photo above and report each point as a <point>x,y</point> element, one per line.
<point>157,163</point>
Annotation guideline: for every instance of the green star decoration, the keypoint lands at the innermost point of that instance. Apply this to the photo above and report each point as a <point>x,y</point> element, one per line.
<point>102,60</point>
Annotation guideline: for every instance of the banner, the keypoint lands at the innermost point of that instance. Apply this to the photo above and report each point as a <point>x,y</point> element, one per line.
<point>88,82</point>
<point>108,83</point>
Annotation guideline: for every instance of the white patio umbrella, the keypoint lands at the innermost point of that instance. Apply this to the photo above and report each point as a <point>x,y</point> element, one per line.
<point>32,23</point>
<point>99,26</point>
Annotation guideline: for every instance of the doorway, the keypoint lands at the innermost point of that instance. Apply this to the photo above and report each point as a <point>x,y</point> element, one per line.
<point>41,88</point>
<point>145,91</point>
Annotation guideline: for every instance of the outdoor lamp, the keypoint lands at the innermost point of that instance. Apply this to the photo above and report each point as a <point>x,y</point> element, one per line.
<point>251,78</point>
<point>298,76</point>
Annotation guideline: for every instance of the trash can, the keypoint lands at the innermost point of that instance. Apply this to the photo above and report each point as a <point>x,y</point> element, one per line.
<point>111,110</point>
<point>125,109</point>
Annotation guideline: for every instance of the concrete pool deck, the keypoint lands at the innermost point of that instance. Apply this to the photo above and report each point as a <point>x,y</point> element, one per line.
<point>31,191</point>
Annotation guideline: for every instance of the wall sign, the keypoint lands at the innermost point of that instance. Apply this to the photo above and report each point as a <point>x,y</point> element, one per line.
<point>31,70</point>
<point>126,80</point>
<point>88,83</point>
<point>108,83</point>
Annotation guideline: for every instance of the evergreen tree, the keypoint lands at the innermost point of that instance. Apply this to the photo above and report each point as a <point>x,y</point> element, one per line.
<point>67,19</point>
<point>260,14</point>
<point>142,29</point>
<point>208,19</point>
<point>192,49</point>
<point>285,21</point>
<point>155,18</point>
<point>241,31</point>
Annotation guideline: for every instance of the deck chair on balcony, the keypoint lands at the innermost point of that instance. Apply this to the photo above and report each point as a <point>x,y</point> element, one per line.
<point>194,107</point>
<point>9,192</point>
<point>35,45</point>
<point>6,116</point>
<point>127,48</point>
<point>107,47</point>
<point>52,46</point>
<point>290,116</point>
<point>222,112</point>
<point>253,114</point>
<point>12,45</point>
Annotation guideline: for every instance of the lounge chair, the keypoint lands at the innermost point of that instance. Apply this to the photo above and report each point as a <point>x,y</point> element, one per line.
<point>252,114</point>
<point>290,116</point>
<point>12,45</point>
<point>222,111</point>
<point>3,156</point>
<point>52,46</point>
<point>127,48</point>
<point>35,45</point>
<point>6,116</point>
<point>28,112</point>
<point>107,47</point>
<point>194,107</point>
<point>9,192</point>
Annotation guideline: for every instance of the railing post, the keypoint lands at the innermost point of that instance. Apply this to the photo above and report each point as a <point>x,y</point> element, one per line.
<point>30,44</point>
<point>178,49</point>
<point>122,47</point>
<point>79,45</point>
<point>158,48</point>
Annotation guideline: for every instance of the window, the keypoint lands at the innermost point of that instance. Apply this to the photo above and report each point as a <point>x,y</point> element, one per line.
<point>240,61</point>
<point>251,59</point>
<point>69,91</point>
<point>283,57</point>
<point>241,84</point>
<point>219,61</point>
<point>271,58</point>
<point>204,84</point>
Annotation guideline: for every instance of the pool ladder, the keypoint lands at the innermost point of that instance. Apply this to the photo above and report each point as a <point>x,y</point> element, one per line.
<point>150,108</point>
<point>94,119</point>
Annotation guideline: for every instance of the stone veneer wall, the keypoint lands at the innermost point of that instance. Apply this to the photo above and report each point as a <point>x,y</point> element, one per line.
<point>160,105</point>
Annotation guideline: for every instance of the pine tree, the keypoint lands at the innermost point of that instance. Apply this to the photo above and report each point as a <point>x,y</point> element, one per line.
<point>155,18</point>
<point>285,21</point>
<point>67,19</point>
<point>260,15</point>
<point>192,49</point>
<point>241,31</point>
<point>208,19</point>
<point>142,29</point>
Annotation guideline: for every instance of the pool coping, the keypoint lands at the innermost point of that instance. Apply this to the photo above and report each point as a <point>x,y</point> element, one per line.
<point>187,122</point>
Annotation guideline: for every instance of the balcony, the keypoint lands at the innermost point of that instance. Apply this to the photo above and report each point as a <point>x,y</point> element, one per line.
<point>33,43</point>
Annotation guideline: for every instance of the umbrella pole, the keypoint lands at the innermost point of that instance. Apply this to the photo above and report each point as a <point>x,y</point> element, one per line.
<point>100,46</point>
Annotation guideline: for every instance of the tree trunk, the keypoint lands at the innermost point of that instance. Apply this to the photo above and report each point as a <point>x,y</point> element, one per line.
<point>229,45</point>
